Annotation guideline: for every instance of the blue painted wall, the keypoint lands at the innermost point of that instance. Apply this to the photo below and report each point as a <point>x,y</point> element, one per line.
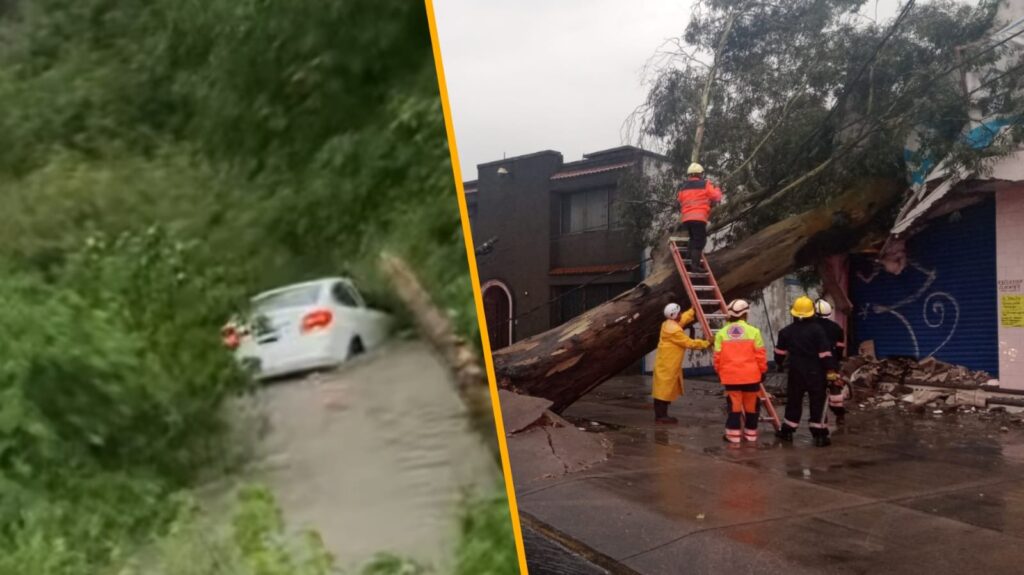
<point>944,303</point>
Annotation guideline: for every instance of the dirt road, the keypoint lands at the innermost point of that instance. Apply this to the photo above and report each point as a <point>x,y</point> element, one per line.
<point>375,456</point>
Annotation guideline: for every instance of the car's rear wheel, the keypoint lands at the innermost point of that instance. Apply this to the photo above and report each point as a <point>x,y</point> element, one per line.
<point>355,348</point>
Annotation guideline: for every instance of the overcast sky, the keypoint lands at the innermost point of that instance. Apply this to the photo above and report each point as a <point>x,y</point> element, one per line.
<point>531,75</point>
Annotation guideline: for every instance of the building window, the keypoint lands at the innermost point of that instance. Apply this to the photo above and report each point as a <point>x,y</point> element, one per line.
<point>574,300</point>
<point>584,211</point>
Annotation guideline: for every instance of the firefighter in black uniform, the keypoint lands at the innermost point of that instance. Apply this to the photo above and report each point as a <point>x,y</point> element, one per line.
<point>805,349</point>
<point>836,390</point>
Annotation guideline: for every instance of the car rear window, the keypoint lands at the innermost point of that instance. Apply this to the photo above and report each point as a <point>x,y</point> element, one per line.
<point>294,297</point>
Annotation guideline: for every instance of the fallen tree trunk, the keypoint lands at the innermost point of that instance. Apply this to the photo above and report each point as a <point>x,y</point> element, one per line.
<point>566,362</point>
<point>436,327</point>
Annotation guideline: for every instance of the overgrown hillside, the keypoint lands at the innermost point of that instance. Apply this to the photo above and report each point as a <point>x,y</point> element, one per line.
<point>161,160</point>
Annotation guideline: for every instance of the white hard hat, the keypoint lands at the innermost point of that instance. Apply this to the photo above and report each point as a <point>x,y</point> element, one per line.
<point>695,168</point>
<point>823,308</point>
<point>738,307</point>
<point>672,311</point>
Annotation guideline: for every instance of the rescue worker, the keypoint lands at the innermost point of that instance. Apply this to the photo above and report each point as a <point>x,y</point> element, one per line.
<point>741,362</point>
<point>696,196</point>
<point>668,364</point>
<point>837,390</point>
<point>805,349</point>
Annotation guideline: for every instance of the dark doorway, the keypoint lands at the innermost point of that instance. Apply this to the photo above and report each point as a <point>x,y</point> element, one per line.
<point>498,312</point>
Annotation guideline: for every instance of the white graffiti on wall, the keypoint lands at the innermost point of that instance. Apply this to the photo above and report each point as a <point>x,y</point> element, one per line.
<point>933,309</point>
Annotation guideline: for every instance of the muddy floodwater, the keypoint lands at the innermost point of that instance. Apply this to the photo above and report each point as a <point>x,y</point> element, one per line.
<point>376,456</point>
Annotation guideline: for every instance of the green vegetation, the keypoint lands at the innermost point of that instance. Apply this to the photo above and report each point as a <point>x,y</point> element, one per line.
<point>256,542</point>
<point>797,102</point>
<point>161,160</point>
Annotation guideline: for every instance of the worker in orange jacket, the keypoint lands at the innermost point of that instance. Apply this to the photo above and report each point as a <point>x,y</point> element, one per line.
<point>696,196</point>
<point>741,362</point>
<point>668,364</point>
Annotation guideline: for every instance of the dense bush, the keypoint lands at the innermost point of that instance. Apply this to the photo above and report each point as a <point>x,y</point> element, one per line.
<point>160,161</point>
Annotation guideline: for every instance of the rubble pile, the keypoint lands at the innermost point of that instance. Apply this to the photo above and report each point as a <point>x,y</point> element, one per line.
<point>870,373</point>
<point>928,386</point>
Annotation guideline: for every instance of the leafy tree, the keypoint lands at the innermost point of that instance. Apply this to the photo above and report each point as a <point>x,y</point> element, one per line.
<point>793,102</point>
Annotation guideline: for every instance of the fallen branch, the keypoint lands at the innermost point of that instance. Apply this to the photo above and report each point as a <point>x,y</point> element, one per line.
<point>436,327</point>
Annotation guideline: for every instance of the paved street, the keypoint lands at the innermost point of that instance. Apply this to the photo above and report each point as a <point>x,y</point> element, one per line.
<point>894,493</point>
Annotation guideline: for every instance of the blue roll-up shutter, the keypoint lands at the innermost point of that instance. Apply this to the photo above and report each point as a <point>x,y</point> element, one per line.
<point>943,304</point>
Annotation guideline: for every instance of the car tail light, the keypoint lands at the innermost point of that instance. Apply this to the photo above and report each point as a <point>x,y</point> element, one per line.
<point>230,337</point>
<point>315,320</point>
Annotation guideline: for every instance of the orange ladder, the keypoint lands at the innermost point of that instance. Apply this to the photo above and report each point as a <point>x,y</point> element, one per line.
<point>709,306</point>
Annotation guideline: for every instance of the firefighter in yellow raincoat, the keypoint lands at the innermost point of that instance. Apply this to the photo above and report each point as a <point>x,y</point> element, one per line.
<point>668,364</point>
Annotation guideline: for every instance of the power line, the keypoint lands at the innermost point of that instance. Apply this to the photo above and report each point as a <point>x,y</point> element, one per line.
<point>961,64</point>
<point>874,56</point>
<point>536,308</point>
<point>996,79</point>
<point>832,110</point>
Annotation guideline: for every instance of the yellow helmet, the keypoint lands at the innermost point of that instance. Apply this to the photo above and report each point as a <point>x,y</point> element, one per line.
<point>695,168</point>
<point>803,307</point>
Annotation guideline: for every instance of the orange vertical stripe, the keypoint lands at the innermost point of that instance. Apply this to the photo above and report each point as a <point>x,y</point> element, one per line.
<point>471,256</point>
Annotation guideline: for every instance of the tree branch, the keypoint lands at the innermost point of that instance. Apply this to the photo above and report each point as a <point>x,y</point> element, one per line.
<point>705,98</point>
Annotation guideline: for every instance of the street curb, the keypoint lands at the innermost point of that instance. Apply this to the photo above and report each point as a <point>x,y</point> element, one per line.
<point>586,553</point>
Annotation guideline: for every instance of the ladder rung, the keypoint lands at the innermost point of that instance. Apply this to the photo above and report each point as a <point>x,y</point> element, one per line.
<point>704,288</point>
<point>714,316</point>
<point>676,240</point>
<point>709,302</point>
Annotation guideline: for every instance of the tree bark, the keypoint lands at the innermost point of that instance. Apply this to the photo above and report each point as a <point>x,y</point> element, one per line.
<point>458,354</point>
<point>566,362</point>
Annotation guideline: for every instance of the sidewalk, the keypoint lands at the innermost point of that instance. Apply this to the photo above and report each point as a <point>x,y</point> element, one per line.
<point>894,493</point>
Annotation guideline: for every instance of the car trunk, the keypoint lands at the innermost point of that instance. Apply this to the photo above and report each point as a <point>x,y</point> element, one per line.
<point>276,331</point>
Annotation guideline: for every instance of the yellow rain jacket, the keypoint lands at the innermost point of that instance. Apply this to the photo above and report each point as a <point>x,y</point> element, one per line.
<point>668,363</point>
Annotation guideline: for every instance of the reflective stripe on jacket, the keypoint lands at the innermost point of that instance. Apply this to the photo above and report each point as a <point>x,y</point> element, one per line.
<point>805,347</point>
<point>695,198</point>
<point>740,357</point>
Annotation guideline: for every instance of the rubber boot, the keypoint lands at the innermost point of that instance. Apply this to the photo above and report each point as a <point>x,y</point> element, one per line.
<point>821,438</point>
<point>661,413</point>
<point>785,434</point>
<point>840,414</point>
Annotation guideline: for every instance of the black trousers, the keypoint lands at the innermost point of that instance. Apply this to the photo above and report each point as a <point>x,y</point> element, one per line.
<point>698,239</point>
<point>812,383</point>
<point>661,408</point>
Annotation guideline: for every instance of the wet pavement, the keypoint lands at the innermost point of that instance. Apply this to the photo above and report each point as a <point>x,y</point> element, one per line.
<point>894,493</point>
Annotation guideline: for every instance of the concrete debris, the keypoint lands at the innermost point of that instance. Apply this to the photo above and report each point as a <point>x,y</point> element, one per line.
<point>554,446</point>
<point>889,374</point>
<point>520,411</point>
<point>971,397</point>
<point>924,396</point>
<point>889,403</point>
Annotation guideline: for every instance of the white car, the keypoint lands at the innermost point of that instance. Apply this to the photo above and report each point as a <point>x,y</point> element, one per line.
<point>307,326</point>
